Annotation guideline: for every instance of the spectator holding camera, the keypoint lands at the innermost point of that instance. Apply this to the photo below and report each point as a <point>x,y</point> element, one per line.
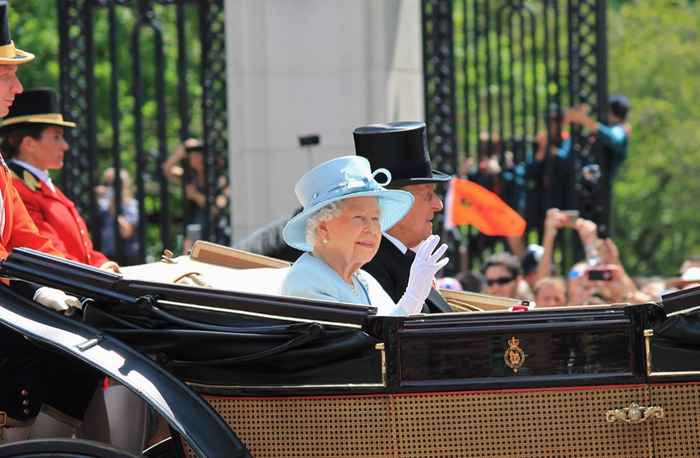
<point>125,220</point>
<point>551,139</point>
<point>613,137</point>
<point>186,165</point>
<point>554,221</point>
<point>600,275</point>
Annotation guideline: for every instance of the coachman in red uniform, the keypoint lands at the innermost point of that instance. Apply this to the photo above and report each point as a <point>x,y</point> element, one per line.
<point>28,374</point>
<point>33,144</point>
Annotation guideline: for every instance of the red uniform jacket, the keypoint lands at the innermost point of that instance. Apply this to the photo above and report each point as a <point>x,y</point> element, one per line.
<point>16,226</point>
<point>56,218</point>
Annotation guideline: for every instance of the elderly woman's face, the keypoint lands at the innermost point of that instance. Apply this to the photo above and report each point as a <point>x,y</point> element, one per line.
<point>355,234</point>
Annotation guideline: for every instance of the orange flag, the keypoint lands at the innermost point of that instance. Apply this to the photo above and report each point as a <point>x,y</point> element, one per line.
<point>469,203</point>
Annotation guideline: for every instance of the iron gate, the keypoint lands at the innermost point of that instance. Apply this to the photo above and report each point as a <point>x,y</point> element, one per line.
<point>492,68</point>
<point>136,83</point>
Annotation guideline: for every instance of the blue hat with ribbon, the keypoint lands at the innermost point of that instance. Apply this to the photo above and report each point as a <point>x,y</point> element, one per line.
<point>343,178</point>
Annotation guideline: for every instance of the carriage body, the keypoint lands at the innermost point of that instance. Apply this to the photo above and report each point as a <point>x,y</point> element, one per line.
<point>299,378</point>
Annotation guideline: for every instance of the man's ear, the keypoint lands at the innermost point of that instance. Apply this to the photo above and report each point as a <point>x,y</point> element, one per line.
<point>28,143</point>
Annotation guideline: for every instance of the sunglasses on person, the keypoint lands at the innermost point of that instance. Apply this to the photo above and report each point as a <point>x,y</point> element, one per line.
<point>499,281</point>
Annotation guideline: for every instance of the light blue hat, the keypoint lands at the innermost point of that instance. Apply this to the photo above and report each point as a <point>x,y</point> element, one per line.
<point>338,179</point>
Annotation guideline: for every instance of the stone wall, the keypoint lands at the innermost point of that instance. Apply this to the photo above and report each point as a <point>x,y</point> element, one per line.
<point>321,67</point>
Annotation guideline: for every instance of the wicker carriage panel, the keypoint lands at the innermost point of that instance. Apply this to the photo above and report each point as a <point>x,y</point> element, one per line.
<point>310,427</point>
<point>678,433</point>
<point>533,423</point>
<point>508,423</point>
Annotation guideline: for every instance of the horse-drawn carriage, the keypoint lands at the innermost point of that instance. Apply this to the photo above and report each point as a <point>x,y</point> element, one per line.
<point>291,377</point>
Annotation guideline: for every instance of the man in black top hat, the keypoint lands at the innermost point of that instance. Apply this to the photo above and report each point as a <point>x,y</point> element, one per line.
<point>401,148</point>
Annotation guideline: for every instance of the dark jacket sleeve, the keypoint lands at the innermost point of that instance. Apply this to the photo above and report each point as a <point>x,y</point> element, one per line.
<point>24,288</point>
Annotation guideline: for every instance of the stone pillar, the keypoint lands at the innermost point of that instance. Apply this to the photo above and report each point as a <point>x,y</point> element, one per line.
<point>321,67</point>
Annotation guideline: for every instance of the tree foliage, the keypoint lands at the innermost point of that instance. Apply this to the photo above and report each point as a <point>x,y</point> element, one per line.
<point>34,27</point>
<point>653,47</point>
<point>653,59</point>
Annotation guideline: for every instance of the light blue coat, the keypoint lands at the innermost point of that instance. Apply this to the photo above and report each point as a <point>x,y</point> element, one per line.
<point>311,278</point>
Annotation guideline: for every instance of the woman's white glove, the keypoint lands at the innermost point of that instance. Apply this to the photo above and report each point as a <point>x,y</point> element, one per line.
<point>425,265</point>
<point>56,299</point>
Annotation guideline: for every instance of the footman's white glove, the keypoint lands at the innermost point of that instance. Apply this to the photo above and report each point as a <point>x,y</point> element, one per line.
<point>425,265</point>
<point>56,299</point>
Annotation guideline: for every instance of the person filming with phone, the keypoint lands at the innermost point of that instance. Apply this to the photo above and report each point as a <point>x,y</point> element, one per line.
<point>600,278</point>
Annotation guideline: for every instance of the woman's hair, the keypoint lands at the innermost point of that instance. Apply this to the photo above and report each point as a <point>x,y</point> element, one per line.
<point>507,260</point>
<point>554,281</point>
<point>327,213</point>
<point>12,140</point>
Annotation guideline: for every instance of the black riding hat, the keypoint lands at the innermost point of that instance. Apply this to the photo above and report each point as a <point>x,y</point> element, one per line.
<point>36,106</point>
<point>9,55</point>
<point>401,148</point>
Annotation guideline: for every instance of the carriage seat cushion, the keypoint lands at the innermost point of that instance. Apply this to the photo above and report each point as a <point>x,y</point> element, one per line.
<point>265,280</point>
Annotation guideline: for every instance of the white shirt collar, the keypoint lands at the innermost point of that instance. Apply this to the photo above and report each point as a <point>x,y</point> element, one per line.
<point>41,174</point>
<point>397,243</point>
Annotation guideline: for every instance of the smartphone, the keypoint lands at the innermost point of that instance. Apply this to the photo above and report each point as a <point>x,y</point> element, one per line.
<point>600,274</point>
<point>571,215</point>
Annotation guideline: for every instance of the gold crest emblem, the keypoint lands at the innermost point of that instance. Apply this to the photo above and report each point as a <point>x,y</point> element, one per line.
<point>514,356</point>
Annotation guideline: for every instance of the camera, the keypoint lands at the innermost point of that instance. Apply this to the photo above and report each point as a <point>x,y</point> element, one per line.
<point>194,147</point>
<point>309,140</point>
<point>572,216</point>
<point>600,274</point>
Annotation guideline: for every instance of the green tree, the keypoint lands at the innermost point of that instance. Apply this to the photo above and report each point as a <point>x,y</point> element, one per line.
<point>34,27</point>
<point>653,59</point>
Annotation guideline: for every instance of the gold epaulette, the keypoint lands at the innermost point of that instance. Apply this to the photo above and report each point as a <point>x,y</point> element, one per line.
<point>29,179</point>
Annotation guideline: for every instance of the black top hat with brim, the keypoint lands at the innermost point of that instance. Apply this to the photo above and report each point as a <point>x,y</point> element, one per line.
<point>36,106</point>
<point>401,148</point>
<point>9,55</point>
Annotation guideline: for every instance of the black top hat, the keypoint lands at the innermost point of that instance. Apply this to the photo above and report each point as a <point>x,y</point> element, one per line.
<point>8,53</point>
<point>400,147</point>
<point>37,106</point>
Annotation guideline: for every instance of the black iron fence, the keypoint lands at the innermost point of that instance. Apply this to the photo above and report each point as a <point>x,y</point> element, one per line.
<point>494,72</point>
<point>139,77</point>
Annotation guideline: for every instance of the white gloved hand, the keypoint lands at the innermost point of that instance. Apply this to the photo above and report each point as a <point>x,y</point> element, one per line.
<point>425,265</point>
<point>56,299</point>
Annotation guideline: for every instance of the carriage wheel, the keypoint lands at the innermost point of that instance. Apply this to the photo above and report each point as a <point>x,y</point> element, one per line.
<point>61,448</point>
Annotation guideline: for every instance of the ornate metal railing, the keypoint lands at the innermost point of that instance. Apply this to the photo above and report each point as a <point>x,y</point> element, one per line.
<point>494,68</point>
<point>137,84</point>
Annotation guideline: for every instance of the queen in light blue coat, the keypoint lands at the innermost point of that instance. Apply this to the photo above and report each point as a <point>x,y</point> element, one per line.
<point>345,212</point>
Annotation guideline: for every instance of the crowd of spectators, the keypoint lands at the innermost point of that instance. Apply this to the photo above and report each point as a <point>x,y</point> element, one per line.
<point>535,175</point>
<point>599,277</point>
<point>538,180</point>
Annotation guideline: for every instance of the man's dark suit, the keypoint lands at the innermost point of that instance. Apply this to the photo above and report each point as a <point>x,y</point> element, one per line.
<point>391,269</point>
